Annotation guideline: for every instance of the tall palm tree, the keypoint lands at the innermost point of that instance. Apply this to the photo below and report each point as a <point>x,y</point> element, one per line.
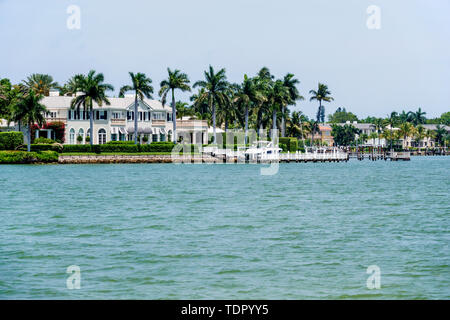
<point>392,120</point>
<point>430,135</point>
<point>183,109</point>
<point>291,84</point>
<point>229,111</point>
<point>29,110</point>
<point>278,97</point>
<point>40,83</point>
<point>215,86</point>
<point>92,89</point>
<point>439,134</point>
<point>176,80</point>
<point>322,94</point>
<point>264,82</point>
<point>248,96</point>
<point>141,85</point>
<point>419,134</point>
<point>417,117</point>
<point>373,136</point>
<point>71,87</point>
<point>406,130</point>
<point>312,127</point>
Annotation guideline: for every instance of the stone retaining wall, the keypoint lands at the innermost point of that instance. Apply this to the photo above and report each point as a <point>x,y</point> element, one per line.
<point>135,159</point>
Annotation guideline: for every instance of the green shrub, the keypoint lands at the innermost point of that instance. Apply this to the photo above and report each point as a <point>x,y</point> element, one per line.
<point>120,142</point>
<point>43,141</point>
<point>291,143</point>
<point>28,157</point>
<point>158,147</point>
<point>10,140</point>
<point>124,147</point>
<point>76,148</point>
<point>283,146</point>
<point>46,147</point>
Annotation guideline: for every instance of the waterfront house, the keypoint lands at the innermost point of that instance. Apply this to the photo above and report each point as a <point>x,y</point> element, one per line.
<point>115,122</point>
<point>324,135</point>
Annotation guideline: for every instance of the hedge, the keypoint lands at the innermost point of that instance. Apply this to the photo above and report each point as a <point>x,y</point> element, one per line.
<point>43,141</point>
<point>124,147</point>
<point>45,147</point>
<point>12,157</point>
<point>120,142</point>
<point>10,140</point>
<point>77,148</point>
<point>157,147</point>
<point>291,143</point>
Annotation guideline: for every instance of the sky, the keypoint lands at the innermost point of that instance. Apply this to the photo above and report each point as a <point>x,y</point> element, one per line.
<point>405,64</point>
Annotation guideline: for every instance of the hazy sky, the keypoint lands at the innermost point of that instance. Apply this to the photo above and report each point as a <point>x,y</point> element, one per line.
<point>403,65</point>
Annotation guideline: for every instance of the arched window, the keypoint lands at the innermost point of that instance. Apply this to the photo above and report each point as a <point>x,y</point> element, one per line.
<point>101,136</point>
<point>72,136</point>
<point>80,134</point>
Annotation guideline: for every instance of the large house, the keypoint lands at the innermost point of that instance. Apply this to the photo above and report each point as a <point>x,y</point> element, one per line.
<point>115,122</point>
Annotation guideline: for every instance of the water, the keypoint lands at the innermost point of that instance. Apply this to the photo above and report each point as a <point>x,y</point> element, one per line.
<point>166,231</point>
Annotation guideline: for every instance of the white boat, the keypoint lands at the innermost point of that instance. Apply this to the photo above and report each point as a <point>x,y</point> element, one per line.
<point>262,150</point>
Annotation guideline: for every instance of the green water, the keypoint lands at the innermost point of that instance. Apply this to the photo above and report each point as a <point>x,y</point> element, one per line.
<point>167,231</point>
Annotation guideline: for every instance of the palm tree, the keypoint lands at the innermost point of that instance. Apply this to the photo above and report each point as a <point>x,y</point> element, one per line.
<point>439,134</point>
<point>417,117</point>
<point>230,110</point>
<point>419,135</point>
<point>373,136</point>
<point>264,83</point>
<point>406,130</point>
<point>141,85</point>
<point>40,83</point>
<point>392,121</point>
<point>248,96</point>
<point>92,89</point>
<point>183,109</point>
<point>29,109</point>
<point>322,94</point>
<point>215,86</point>
<point>313,127</point>
<point>176,80</point>
<point>278,97</point>
<point>71,87</point>
<point>430,135</point>
<point>291,83</point>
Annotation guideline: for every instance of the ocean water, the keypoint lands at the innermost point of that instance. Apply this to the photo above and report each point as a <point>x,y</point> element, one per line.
<point>223,231</point>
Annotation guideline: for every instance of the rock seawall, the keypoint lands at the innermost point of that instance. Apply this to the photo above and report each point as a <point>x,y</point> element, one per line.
<point>135,159</point>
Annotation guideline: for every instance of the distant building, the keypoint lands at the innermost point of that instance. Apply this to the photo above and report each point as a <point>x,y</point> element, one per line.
<point>324,135</point>
<point>114,122</point>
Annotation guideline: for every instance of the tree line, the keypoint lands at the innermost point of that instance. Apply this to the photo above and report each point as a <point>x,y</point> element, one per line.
<point>260,101</point>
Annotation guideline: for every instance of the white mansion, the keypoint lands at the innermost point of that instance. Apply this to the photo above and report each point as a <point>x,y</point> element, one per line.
<point>115,122</point>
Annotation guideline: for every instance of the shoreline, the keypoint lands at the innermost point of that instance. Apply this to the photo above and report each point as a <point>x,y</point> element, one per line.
<point>167,158</point>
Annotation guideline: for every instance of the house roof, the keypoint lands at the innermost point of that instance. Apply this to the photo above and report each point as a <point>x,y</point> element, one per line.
<point>361,126</point>
<point>119,103</point>
<point>324,128</point>
<point>434,127</point>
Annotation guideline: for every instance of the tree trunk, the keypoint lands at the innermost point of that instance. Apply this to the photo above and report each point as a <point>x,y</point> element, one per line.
<point>174,117</point>
<point>246,125</point>
<point>214,122</point>
<point>29,137</point>
<point>91,125</point>
<point>283,123</point>
<point>135,119</point>
<point>274,121</point>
